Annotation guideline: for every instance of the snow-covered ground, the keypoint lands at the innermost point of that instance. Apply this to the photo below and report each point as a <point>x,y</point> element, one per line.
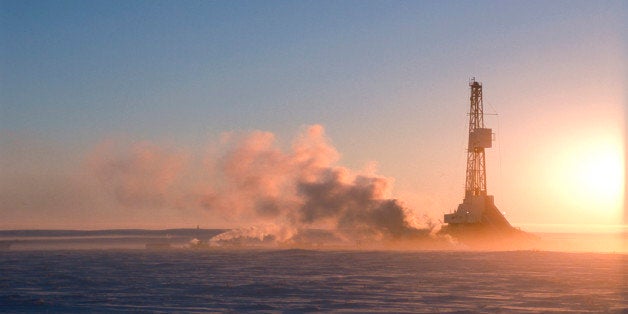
<point>302,280</point>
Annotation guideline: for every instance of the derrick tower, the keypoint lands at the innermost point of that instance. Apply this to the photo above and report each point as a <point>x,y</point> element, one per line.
<point>477,208</point>
<point>479,139</point>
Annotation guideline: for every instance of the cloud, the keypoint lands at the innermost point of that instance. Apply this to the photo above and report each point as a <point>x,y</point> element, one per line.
<point>252,181</point>
<point>143,175</point>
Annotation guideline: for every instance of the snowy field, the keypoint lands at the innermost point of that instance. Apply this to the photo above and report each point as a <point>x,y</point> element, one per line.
<point>219,280</point>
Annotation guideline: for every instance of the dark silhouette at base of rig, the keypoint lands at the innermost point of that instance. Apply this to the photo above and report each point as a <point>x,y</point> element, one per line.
<point>477,217</point>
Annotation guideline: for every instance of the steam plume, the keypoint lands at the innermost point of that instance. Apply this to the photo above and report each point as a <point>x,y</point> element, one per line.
<point>251,180</point>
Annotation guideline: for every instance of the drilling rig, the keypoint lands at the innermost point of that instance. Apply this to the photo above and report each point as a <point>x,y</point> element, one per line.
<point>477,211</point>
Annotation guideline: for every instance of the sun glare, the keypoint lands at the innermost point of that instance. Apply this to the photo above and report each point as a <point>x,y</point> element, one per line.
<point>591,176</point>
<point>602,174</point>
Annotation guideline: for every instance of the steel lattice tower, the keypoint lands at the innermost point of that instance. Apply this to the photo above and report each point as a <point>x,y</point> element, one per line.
<point>477,208</point>
<point>476,166</point>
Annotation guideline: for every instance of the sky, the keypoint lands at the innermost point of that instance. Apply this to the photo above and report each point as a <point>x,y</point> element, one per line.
<point>160,89</point>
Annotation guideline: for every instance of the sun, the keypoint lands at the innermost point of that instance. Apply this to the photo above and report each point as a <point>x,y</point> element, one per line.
<point>591,175</point>
<point>601,174</point>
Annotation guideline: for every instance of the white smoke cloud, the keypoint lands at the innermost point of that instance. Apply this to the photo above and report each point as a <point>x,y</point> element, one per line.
<point>251,180</point>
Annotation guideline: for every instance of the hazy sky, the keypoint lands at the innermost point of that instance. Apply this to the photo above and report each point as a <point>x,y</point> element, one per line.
<point>387,80</point>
